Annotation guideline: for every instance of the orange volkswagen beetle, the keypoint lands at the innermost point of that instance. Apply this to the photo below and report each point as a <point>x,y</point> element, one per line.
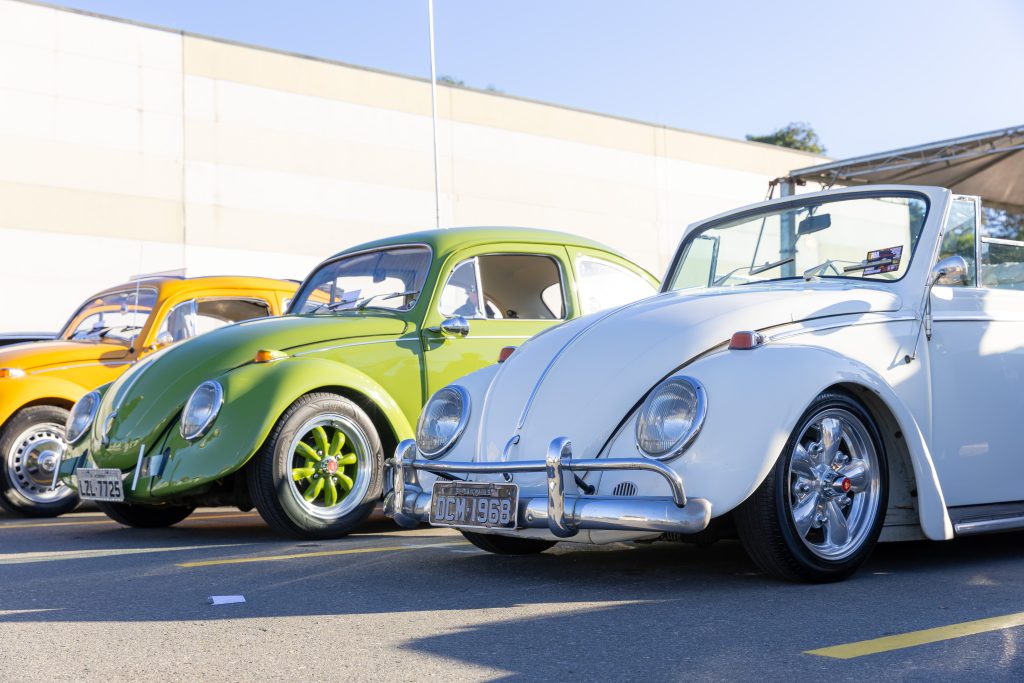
<point>40,381</point>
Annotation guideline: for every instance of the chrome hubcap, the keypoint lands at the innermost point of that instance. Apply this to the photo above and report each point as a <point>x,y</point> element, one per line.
<point>32,461</point>
<point>833,484</point>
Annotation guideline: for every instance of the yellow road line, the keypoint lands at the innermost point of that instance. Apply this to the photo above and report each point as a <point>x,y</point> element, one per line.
<point>33,525</point>
<point>915,638</point>
<point>321,553</point>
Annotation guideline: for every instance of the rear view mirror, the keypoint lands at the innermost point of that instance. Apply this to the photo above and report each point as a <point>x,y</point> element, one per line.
<point>814,224</point>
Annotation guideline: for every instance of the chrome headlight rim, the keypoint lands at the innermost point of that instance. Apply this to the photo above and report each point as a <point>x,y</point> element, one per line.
<point>217,403</point>
<point>686,439</point>
<point>92,399</point>
<point>464,414</point>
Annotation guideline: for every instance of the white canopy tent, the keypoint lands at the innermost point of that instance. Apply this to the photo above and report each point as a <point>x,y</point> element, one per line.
<point>990,165</point>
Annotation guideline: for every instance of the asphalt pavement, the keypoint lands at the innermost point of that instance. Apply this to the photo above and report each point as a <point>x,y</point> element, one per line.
<point>82,598</point>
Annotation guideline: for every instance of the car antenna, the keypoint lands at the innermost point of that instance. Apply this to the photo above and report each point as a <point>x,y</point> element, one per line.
<point>135,311</point>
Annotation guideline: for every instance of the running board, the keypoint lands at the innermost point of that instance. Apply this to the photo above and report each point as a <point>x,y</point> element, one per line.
<point>969,520</point>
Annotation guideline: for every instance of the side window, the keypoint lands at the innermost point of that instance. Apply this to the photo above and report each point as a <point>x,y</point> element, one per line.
<point>1002,248</point>
<point>959,237</point>
<point>605,285</point>
<point>460,295</point>
<point>523,286</point>
<point>192,318</point>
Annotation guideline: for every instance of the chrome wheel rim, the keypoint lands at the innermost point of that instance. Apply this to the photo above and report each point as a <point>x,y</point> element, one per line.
<point>833,484</point>
<point>329,466</point>
<point>31,462</point>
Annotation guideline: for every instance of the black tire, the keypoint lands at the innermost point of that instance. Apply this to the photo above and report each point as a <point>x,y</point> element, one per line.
<point>269,474</point>
<point>507,545</point>
<point>765,521</point>
<point>14,485</point>
<point>145,516</point>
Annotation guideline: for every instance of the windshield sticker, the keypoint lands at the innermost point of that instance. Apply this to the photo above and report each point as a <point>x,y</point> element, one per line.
<point>883,260</point>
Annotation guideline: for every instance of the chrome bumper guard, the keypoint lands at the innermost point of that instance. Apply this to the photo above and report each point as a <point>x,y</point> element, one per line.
<point>564,511</point>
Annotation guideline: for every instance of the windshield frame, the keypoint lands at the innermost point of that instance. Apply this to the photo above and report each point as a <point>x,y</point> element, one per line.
<point>301,291</point>
<point>66,331</point>
<point>797,201</point>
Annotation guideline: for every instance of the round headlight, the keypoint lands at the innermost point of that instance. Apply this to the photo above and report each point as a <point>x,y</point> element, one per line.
<point>81,417</point>
<point>671,417</point>
<point>201,410</point>
<point>442,421</point>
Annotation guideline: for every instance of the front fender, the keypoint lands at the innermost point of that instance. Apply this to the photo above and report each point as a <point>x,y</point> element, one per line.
<point>755,399</point>
<point>255,396</point>
<point>17,392</point>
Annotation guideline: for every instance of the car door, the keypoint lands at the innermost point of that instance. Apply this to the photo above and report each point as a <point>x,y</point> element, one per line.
<point>976,359</point>
<point>502,296</point>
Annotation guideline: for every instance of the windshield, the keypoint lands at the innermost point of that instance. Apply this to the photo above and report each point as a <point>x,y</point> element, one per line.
<point>861,237</point>
<point>117,316</point>
<point>387,278</point>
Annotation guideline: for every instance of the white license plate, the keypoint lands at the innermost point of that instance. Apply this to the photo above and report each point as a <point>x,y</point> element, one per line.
<point>474,504</point>
<point>100,484</point>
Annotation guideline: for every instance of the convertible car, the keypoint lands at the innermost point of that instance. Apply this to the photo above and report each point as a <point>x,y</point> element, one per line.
<point>819,372</point>
<point>292,415</point>
<point>110,332</point>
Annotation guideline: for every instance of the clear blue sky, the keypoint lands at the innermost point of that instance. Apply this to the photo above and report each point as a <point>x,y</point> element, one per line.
<point>868,75</point>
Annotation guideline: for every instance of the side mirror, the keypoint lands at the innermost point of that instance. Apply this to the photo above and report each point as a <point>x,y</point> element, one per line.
<point>951,270</point>
<point>456,326</point>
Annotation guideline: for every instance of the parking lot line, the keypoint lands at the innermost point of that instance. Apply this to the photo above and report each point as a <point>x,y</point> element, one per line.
<point>915,638</point>
<point>319,553</point>
<point>63,555</point>
<point>33,525</point>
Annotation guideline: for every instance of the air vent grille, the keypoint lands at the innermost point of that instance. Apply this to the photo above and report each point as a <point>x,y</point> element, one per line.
<point>624,488</point>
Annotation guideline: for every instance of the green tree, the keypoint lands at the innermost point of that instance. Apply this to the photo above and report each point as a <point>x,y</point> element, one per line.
<point>797,135</point>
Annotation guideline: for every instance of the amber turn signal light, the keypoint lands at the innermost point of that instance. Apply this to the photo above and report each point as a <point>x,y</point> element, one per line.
<point>746,340</point>
<point>505,353</point>
<point>11,372</point>
<point>268,355</point>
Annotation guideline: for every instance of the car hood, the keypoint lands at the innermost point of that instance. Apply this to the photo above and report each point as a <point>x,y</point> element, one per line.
<point>586,376</point>
<point>149,397</point>
<point>41,355</point>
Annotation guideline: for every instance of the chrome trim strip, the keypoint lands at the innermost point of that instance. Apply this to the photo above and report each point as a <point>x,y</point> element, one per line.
<point>138,466</point>
<point>563,515</point>
<point>989,526</point>
<point>343,346</point>
<point>833,326</point>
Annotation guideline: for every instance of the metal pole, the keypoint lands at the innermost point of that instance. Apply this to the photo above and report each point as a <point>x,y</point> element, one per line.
<point>433,117</point>
<point>787,232</point>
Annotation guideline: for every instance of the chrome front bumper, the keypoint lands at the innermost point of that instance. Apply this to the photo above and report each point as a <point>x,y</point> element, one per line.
<point>565,510</point>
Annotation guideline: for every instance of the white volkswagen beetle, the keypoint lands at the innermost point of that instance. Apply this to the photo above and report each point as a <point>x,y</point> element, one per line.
<point>819,371</point>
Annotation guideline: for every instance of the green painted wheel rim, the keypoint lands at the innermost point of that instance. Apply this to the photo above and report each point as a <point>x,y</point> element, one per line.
<point>329,466</point>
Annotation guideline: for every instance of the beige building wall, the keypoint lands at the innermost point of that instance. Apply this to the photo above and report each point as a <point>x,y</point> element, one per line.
<point>128,149</point>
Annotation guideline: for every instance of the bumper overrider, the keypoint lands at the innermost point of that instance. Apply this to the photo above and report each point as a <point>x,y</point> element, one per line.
<point>565,510</point>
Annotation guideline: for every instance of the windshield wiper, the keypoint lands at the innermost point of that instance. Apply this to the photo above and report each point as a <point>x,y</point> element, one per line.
<point>754,270</point>
<point>819,269</point>
<point>768,266</point>
<point>363,303</point>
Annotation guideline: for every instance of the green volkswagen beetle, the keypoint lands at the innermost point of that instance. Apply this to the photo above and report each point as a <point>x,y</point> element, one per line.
<point>293,415</point>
